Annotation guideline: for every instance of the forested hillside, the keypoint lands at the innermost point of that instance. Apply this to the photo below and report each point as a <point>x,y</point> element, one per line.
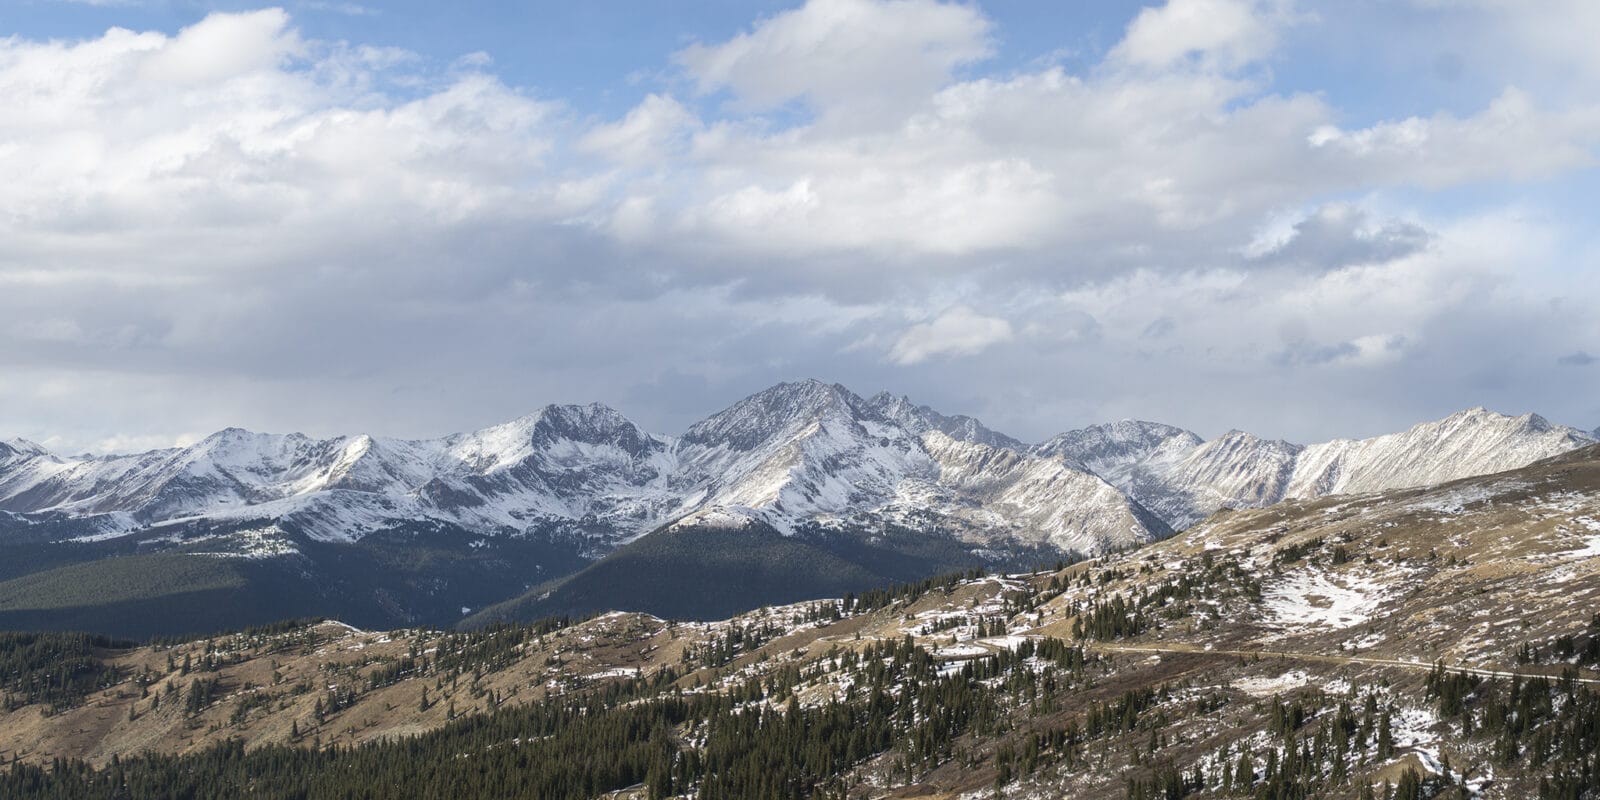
<point>1437,643</point>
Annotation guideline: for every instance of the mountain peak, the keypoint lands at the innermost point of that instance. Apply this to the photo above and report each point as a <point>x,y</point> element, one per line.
<point>1535,422</point>
<point>511,442</point>
<point>564,414</point>
<point>22,447</point>
<point>808,394</point>
<point>594,423</point>
<point>794,453</point>
<point>886,401</point>
<point>1112,438</point>
<point>1238,438</point>
<point>811,389</point>
<point>922,419</point>
<point>748,423</point>
<point>1478,418</point>
<point>239,448</point>
<point>1118,450</point>
<point>1479,415</point>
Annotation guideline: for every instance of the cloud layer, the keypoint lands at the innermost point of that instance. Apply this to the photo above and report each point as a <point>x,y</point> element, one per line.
<point>238,224</point>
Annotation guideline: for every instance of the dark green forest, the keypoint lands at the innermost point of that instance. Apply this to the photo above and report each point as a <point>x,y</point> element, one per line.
<point>755,739</point>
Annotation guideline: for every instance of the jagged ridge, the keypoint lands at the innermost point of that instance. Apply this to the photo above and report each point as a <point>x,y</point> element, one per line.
<point>797,454</point>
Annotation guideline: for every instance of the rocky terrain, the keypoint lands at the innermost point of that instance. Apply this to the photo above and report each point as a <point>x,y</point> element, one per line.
<point>1442,640</point>
<point>1183,479</point>
<point>389,532</point>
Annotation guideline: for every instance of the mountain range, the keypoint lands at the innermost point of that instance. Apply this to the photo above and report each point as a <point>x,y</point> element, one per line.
<point>831,488</point>
<point>1436,642</point>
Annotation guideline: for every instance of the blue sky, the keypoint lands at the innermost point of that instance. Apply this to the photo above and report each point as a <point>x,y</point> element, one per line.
<point>605,48</point>
<point>605,55</point>
<point>1305,219</point>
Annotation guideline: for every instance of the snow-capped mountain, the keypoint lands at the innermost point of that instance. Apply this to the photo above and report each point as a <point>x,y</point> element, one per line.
<point>1182,479</point>
<point>1112,450</point>
<point>810,452</point>
<point>799,450</point>
<point>562,464</point>
<point>795,456</point>
<point>922,419</point>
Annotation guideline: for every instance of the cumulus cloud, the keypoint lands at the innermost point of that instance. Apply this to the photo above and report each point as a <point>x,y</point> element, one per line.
<point>1218,33</point>
<point>1511,138</point>
<point>1155,162</point>
<point>220,47</point>
<point>239,224</point>
<point>959,331</point>
<point>844,57</point>
<point>652,132</point>
<point>1367,350</point>
<point>1341,235</point>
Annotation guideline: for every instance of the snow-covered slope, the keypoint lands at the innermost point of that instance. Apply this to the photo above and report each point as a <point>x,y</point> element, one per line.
<point>562,464</point>
<point>1039,500</point>
<point>1472,442</point>
<point>922,419</point>
<point>798,451</point>
<point>1134,456</point>
<point>1116,449</point>
<point>1182,480</point>
<point>793,456</point>
<point>810,452</point>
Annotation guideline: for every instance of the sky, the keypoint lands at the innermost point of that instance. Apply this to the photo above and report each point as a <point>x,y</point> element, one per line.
<point>1303,219</point>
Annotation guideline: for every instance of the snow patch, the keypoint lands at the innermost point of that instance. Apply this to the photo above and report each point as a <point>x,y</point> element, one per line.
<point>1315,599</point>
<point>1266,687</point>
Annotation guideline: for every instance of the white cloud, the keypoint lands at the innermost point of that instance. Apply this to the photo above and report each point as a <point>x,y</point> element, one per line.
<point>223,46</point>
<point>305,233</point>
<point>1559,34</point>
<point>1368,314</point>
<point>1165,163</point>
<point>103,142</point>
<point>652,132</point>
<point>1377,349</point>
<point>1333,236</point>
<point>137,444</point>
<point>959,331</point>
<point>1511,138</point>
<point>844,57</point>
<point>1217,33</point>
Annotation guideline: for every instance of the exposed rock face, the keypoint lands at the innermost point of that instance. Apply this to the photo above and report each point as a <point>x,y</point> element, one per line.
<point>796,454</point>
<point>1182,479</point>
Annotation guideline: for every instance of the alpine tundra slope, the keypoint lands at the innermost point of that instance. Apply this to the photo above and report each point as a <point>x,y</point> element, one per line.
<point>1437,642</point>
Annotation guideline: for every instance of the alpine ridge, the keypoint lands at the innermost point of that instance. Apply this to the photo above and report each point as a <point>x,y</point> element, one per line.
<point>1183,479</point>
<point>1436,642</point>
<point>541,496</point>
<point>795,453</point>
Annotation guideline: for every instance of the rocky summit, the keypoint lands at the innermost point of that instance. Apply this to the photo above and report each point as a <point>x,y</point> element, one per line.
<point>1441,641</point>
<point>388,531</point>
